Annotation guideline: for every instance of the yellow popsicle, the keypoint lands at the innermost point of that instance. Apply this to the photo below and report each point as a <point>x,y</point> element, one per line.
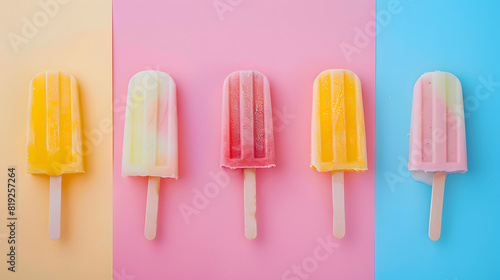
<point>338,133</point>
<point>338,126</point>
<point>54,130</point>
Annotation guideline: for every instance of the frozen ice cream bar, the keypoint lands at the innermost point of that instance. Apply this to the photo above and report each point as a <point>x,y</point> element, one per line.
<point>338,133</point>
<point>437,137</point>
<point>247,133</point>
<point>150,136</point>
<point>54,135</point>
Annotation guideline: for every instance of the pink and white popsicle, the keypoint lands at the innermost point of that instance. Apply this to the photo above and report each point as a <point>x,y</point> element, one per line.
<point>247,133</point>
<point>437,137</point>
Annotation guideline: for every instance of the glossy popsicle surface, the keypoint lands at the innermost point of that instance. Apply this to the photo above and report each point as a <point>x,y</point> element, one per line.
<point>54,142</point>
<point>437,137</point>
<point>338,126</point>
<point>247,123</point>
<point>150,137</point>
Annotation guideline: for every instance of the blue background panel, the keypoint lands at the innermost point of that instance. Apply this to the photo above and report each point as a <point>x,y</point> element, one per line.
<point>461,37</point>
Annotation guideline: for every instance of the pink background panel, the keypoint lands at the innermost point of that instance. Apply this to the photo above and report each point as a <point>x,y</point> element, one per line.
<point>290,42</point>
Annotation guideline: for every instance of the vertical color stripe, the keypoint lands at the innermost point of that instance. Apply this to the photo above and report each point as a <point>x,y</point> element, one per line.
<point>259,127</point>
<point>351,122</point>
<point>325,104</point>
<point>65,119</point>
<point>137,107</point>
<point>427,93</point>
<point>234,113</point>
<point>453,96</point>
<point>164,87</point>
<point>52,103</point>
<point>338,117</point>
<point>439,117</point>
<point>246,107</point>
<point>150,83</point>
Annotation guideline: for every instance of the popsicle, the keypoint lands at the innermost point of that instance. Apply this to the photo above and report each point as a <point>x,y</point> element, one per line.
<point>54,144</point>
<point>150,136</point>
<point>247,133</point>
<point>437,137</point>
<point>338,133</point>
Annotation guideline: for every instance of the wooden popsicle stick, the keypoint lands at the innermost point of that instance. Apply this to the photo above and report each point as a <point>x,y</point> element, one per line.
<point>250,203</point>
<point>152,207</point>
<point>438,181</point>
<point>338,204</point>
<point>55,207</point>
